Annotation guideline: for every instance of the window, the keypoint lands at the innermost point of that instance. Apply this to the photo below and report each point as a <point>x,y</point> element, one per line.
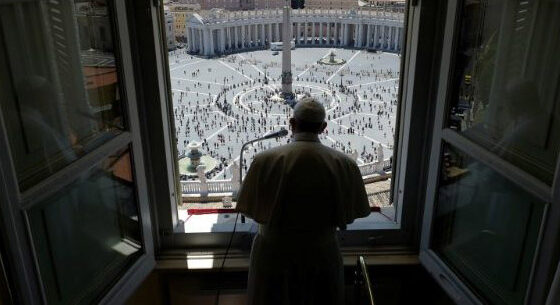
<point>225,91</point>
<point>492,202</point>
<point>74,201</point>
<point>479,216</point>
<point>91,127</point>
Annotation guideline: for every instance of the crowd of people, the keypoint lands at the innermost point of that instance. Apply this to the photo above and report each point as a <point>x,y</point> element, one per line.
<point>224,110</point>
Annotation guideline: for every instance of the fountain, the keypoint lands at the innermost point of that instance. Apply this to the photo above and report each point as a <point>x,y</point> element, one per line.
<point>195,161</point>
<point>331,60</point>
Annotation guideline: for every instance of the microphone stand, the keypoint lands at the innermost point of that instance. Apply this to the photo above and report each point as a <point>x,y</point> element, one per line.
<point>241,167</point>
<point>278,134</point>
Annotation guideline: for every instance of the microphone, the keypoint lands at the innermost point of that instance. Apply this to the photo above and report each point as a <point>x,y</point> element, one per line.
<point>281,133</point>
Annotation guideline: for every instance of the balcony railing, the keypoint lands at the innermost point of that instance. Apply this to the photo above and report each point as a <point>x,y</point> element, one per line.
<point>204,187</point>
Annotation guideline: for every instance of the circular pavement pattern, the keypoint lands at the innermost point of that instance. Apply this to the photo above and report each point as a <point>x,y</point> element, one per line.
<point>225,101</point>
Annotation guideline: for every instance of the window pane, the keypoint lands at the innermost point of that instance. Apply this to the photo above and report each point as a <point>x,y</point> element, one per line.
<point>485,228</point>
<point>506,76</point>
<point>88,233</point>
<point>60,89</point>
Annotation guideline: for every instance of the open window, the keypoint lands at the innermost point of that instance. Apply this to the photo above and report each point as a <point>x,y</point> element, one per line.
<point>492,200</point>
<point>73,190</point>
<point>222,88</point>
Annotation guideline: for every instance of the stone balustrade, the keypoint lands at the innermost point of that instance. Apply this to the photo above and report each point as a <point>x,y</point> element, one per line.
<point>213,186</point>
<point>373,168</point>
<point>231,186</point>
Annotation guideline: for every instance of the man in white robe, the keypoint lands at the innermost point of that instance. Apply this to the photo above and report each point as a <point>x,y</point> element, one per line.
<point>299,194</point>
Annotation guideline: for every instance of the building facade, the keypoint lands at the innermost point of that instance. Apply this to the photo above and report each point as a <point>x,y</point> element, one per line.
<point>387,5</point>
<point>180,23</point>
<point>331,4</point>
<point>240,5</point>
<point>93,27</point>
<point>220,32</point>
<point>268,4</point>
<point>169,29</point>
<point>181,13</point>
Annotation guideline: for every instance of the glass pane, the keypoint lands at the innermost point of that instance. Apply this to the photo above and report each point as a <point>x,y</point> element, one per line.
<point>88,233</point>
<point>505,94</point>
<point>485,228</point>
<point>60,88</point>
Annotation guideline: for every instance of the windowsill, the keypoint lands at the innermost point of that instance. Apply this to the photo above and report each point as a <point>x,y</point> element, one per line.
<point>210,215</point>
<point>224,222</point>
<point>210,261</point>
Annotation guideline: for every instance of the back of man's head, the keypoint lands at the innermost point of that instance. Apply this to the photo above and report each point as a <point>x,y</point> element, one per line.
<point>309,116</point>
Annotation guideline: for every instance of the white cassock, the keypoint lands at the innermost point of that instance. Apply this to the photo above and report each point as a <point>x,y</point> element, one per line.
<point>299,194</point>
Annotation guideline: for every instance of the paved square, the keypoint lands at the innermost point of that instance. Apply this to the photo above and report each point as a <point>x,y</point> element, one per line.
<point>224,102</point>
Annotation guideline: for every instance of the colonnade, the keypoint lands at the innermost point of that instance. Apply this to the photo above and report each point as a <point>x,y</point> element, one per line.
<point>229,33</point>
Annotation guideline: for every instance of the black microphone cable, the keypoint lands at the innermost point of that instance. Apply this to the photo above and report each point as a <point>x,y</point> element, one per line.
<point>224,260</point>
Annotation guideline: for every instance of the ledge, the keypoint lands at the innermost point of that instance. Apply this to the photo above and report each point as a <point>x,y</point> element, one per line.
<point>211,260</point>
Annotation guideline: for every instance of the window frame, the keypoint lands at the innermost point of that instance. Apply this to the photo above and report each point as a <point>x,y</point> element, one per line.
<point>21,255</point>
<point>404,237</point>
<point>5,283</point>
<point>548,244</point>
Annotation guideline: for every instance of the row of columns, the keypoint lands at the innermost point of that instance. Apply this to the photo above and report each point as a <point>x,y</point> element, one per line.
<point>346,34</point>
<point>211,41</point>
<point>208,41</point>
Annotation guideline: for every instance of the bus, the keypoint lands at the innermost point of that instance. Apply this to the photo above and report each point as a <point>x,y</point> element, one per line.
<point>277,46</point>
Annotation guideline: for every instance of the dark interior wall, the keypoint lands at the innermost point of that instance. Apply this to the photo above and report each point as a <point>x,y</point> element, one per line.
<point>5,297</point>
<point>6,289</point>
<point>149,292</point>
<point>404,285</point>
<point>393,285</point>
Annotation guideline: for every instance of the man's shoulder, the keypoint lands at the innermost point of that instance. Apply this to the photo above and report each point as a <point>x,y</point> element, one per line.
<point>274,152</point>
<point>286,149</point>
<point>338,154</point>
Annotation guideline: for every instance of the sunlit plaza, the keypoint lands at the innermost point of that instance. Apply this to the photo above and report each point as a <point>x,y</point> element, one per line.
<point>220,103</point>
<point>223,102</point>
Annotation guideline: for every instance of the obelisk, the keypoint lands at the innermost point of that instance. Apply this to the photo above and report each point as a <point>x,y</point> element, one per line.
<point>287,93</point>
